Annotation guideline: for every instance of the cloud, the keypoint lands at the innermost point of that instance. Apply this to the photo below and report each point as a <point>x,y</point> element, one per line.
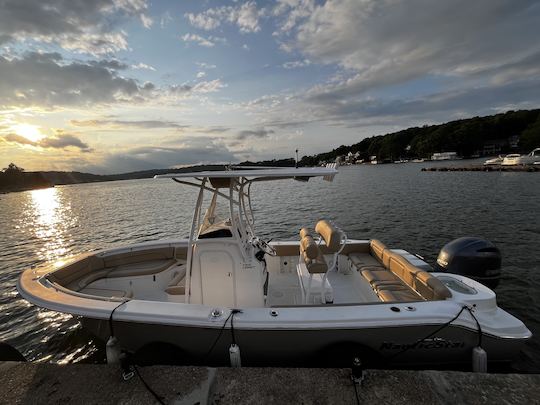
<point>204,21</point>
<point>204,65</point>
<point>208,86</point>
<point>144,124</point>
<point>213,130</point>
<point>149,157</point>
<point>146,21</point>
<point>46,79</point>
<point>143,66</point>
<point>257,133</point>
<point>297,64</point>
<point>63,141</point>
<point>81,26</point>
<point>203,87</point>
<point>202,41</point>
<point>351,111</point>
<point>293,11</point>
<point>147,124</point>
<point>245,17</point>
<point>58,141</point>
<point>384,43</point>
<point>200,75</point>
<point>165,19</point>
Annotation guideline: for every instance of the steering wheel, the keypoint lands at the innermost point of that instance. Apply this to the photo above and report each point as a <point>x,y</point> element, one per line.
<point>264,246</point>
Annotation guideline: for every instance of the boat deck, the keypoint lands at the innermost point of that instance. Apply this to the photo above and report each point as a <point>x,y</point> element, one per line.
<point>348,286</point>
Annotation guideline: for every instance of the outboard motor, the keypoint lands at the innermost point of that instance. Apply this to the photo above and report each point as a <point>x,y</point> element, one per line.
<point>472,257</point>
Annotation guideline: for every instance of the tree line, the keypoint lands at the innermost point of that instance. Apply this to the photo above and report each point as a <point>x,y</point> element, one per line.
<point>14,178</point>
<point>467,137</point>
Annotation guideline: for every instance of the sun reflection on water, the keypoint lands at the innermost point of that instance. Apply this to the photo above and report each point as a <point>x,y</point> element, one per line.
<point>51,219</point>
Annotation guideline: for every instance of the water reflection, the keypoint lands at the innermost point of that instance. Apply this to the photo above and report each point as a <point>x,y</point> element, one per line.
<point>51,220</point>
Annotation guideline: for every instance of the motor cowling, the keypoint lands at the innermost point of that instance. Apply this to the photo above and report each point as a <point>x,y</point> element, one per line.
<point>472,257</point>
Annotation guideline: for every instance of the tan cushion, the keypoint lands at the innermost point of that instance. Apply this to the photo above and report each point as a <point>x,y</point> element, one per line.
<point>373,274</point>
<point>330,234</point>
<point>430,287</point>
<point>398,296</point>
<point>361,260</point>
<point>138,256</point>
<point>386,256</point>
<point>377,249</point>
<point>304,232</point>
<point>141,269</point>
<point>309,247</point>
<point>176,290</point>
<point>88,279</point>
<point>405,270</point>
<point>392,285</point>
<point>74,271</point>
<point>317,265</point>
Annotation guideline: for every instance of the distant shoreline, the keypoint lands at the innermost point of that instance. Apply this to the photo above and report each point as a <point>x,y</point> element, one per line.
<point>24,188</point>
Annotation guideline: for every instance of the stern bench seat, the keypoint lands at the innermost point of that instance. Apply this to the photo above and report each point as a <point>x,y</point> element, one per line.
<point>394,278</point>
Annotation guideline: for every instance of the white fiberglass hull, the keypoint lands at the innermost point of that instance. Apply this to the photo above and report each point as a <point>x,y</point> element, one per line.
<point>392,341</point>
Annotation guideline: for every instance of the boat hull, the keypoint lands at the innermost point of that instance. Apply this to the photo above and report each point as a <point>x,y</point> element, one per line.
<point>376,346</point>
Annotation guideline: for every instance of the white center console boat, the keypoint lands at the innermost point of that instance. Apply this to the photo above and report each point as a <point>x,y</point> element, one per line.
<point>319,299</point>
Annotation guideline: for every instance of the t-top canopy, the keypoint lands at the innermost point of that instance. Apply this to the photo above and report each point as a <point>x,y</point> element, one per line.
<point>300,173</point>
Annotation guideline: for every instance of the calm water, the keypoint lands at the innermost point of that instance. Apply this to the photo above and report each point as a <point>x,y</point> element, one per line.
<point>398,204</point>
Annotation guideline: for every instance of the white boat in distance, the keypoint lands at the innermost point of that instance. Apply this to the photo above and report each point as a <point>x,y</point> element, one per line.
<point>515,159</point>
<point>494,161</point>
<point>321,299</point>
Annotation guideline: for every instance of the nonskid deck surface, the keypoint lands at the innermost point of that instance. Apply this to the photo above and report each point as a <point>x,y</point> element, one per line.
<point>348,286</point>
<point>283,286</point>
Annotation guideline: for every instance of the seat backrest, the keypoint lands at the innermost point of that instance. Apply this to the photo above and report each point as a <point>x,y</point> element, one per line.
<point>304,232</point>
<point>430,287</point>
<point>331,235</point>
<point>402,268</point>
<point>308,247</point>
<point>76,270</point>
<point>310,253</point>
<point>138,256</point>
<point>377,249</point>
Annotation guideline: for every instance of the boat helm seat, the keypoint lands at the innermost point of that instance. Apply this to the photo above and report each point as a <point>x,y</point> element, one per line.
<point>312,270</point>
<point>331,235</point>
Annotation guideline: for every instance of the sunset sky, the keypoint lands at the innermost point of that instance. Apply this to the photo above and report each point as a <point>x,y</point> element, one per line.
<point>122,85</point>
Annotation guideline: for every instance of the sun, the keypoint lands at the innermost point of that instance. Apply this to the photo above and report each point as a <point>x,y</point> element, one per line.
<point>30,132</point>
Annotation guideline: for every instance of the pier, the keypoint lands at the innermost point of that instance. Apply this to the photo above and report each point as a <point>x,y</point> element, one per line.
<point>40,383</point>
<point>482,168</point>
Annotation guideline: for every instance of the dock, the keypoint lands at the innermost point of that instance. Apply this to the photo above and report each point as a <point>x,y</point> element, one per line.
<point>46,383</point>
<point>482,168</point>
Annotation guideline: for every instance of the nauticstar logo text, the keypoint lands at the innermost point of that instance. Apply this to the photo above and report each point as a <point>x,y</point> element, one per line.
<point>436,343</point>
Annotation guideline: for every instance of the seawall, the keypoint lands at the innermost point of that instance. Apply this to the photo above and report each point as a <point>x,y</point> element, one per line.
<point>44,383</point>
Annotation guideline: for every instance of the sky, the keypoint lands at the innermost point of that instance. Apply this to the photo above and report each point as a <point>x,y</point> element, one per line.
<point>112,86</point>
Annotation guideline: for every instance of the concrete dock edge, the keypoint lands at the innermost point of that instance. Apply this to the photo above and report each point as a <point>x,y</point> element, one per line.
<point>44,383</point>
